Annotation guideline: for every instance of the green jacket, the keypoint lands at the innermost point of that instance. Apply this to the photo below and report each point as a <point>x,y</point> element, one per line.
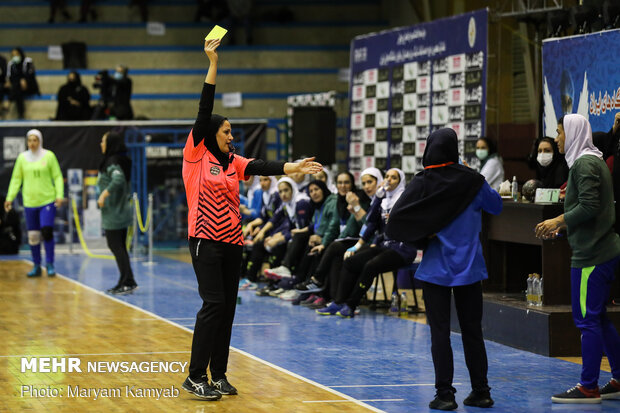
<point>589,213</point>
<point>116,212</point>
<point>40,181</point>
<point>325,221</point>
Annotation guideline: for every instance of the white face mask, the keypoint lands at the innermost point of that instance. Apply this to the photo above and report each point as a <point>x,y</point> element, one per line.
<point>482,154</point>
<point>544,159</point>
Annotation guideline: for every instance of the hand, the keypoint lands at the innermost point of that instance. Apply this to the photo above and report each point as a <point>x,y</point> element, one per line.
<point>8,205</point>
<point>465,163</point>
<point>314,240</point>
<point>23,84</point>
<point>308,166</point>
<point>247,230</point>
<point>351,251</point>
<point>102,197</point>
<point>210,49</point>
<point>616,123</point>
<point>58,202</point>
<point>352,199</point>
<point>72,101</point>
<point>296,231</point>
<point>550,228</point>
<point>317,249</point>
<point>259,237</point>
<point>254,231</point>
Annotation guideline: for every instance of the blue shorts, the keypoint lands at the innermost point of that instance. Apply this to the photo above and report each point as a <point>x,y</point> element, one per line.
<point>39,217</point>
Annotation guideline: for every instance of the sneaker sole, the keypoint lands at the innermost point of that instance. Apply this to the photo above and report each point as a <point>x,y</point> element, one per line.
<point>611,396</point>
<point>589,400</point>
<point>213,398</point>
<point>226,394</point>
<point>324,313</point>
<point>310,291</point>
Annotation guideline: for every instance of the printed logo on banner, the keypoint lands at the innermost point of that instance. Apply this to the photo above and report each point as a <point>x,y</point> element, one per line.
<point>383,75</point>
<point>410,164</point>
<point>410,71</point>
<point>359,92</point>
<point>357,107</point>
<point>473,78</point>
<point>423,100</point>
<point>422,132</point>
<point>410,101</point>
<point>410,117</point>
<point>368,162</point>
<point>397,103</point>
<point>409,134</point>
<point>473,129</point>
<point>455,113</point>
<point>473,95</point>
<point>357,121</point>
<point>472,112</point>
<point>396,118</point>
<point>12,146</point>
<point>440,115</point>
<point>398,73</point>
<point>396,161</point>
<point>381,149</point>
<point>459,128</point>
<point>456,97</point>
<point>360,54</point>
<point>369,120</point>
<point>441,81</point>
<point>355,149</point>
<point>410,86</point>
<point>397,135</point>
<point>381,163</point>
<point>440,98</point>
<point>471,32</point>
<point>370,76</point>
<point>382,119</point>
<point>440,66</point>
<point>382,135</point>
<point>358,78</point>
<point>370,135</point>
<point>424,84</point>
<point>383,90</point>
<point>382,104</point>
<point>420,147</point>
<point>457,80</point>
<point>456,63</point>
<point>356,135</point>
<point>424,68</point>
<point>369,149</point>
<point>398,88</point>
<point>474,60</point>
<point>409,148</point>
<point>371,91</point>
<point>422,118</point>
<point>370,105</point>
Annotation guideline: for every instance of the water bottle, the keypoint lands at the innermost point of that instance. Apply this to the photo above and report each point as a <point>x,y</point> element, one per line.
<point>540,292</point>
<point>403,303</point>
<point>536,289</point>
<point>529,292</point>
<point>515,189</point>
<point>395,305</point>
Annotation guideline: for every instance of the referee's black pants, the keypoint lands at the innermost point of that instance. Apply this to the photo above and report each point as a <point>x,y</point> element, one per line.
<point>468,301</point>
<point>217,266</point>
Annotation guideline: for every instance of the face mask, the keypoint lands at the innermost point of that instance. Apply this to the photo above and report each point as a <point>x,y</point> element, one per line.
<point>544,159</point>
<point>16,59</point>
<point>118,75</point>
<point>482,154</point>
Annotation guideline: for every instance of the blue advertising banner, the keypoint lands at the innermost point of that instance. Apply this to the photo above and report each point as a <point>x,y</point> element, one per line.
<point>581,74</point>
<point>407,82</point>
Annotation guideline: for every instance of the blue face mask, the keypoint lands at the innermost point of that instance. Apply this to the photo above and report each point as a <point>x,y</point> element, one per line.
<point>117,75</point>
<point>482,154</point>
<point>16,59</point>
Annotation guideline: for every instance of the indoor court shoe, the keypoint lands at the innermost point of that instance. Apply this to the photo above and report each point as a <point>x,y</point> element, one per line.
<point>578,394</point>
<point>346,312</point>
<point>124,289</point>
<point>200,388</point>
<point>331,309</point>
<point>479,399</point>
<point>222,386</point>
<point>50,270</point>
<point>308,300</point>
<point>320,302</point>
<point>35,272</point>
<point>443,403</point>
<point>611,390</point>
<point>278,273</point>
<point>309,286</point>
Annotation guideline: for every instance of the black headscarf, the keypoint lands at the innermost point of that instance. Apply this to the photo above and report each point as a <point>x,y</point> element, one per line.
<point>436,195</point>
<point>211,141</point>
<point>556,173</point>
<point>326,193</point>
<point>116,154</point>
<point>341,205</point>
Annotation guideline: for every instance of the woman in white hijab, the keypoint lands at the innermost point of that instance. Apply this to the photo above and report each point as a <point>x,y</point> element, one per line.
<point>37,174</point>
<point>588,218</point>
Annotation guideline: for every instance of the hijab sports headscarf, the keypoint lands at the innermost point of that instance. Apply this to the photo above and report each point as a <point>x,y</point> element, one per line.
<point>33,156</point>
<point>392,196</point>
<point>578,141</point>
<point>290,205</point>
<point>435,196</point>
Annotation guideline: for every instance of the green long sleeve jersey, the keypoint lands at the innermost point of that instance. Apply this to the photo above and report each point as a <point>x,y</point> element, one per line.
<point>41,181</point>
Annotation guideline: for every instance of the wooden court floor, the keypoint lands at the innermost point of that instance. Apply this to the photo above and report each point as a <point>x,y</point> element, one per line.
<point>57,317</point>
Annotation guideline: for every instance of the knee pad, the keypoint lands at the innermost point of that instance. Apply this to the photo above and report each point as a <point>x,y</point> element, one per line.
<point>34,237</point>
<point>47,233</point>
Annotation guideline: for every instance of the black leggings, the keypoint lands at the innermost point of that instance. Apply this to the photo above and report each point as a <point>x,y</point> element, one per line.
<point>257,257</point>
<point>360,269</point>
<point>116,239</point>
<point>295,250</point>
<point>217,266</point>
<point>468,301</point>
<point>330,266</point>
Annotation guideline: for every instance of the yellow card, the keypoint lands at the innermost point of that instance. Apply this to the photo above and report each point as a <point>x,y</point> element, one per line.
<point>217,33</point>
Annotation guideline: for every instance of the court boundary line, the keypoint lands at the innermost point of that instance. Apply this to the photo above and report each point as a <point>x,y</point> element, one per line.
<point>251,356</point>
